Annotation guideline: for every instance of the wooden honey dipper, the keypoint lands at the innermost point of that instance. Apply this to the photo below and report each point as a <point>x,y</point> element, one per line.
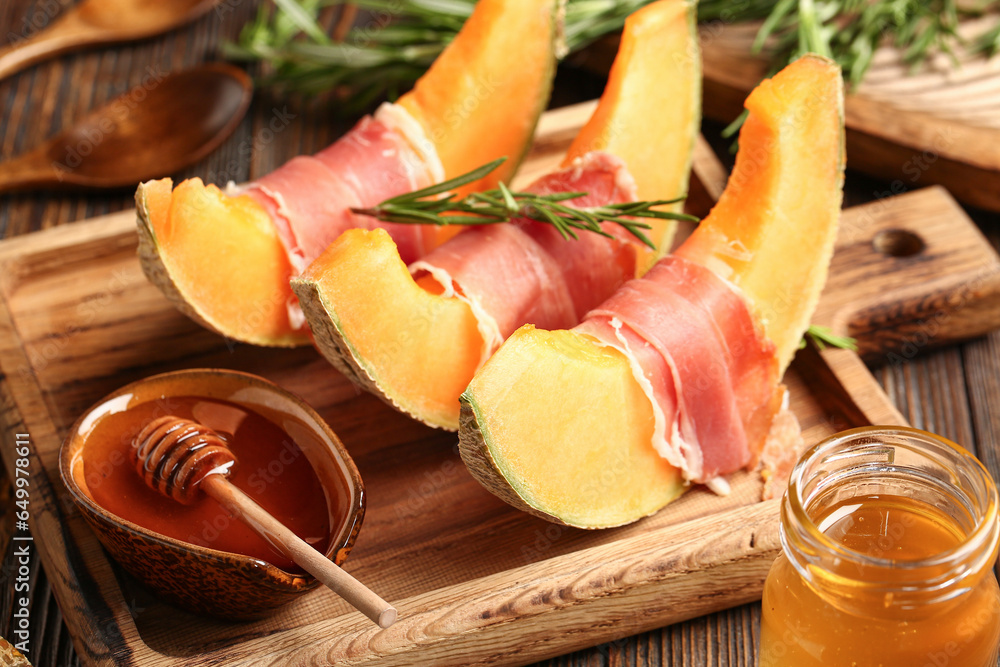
<point>179,458</point>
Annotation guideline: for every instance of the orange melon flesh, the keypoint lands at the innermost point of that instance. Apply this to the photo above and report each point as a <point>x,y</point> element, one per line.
<point>792,143</point>
<point>668,27</point>
<point>482,97</point>
<point>772,234</point>
<point>480,100</point>
<point>421,368</point>
<point>219,258</point>
<point>650,111</point>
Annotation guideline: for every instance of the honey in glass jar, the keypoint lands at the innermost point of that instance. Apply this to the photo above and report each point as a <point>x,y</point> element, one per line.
<point>889,538</point>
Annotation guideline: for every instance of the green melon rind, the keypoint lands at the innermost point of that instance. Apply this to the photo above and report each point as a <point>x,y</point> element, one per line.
<point>336,347</point>
<point>481,455</point>
<point>478,449</point>
<point>158,273</point>
<point>477,455</point>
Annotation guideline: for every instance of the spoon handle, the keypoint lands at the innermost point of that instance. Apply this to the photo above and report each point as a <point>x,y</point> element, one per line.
<point>294,547</point>
<point>28,170</point>
<point>65,33</point>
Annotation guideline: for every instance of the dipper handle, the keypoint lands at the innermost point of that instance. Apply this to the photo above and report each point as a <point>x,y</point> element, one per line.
<point>179,457</point>
<point>295,548</point>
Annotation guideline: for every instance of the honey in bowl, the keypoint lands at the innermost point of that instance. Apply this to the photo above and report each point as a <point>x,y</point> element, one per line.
<point>199,558</point>
<point>889,536</point>
<point>271,469</point>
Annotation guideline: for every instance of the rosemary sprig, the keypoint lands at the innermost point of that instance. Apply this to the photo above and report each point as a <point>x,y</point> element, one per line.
<point>380,57</point>
<point>383,54</point>
<point>435,205</point>
<point>989,41</point>
<point>850,31</point>
<point>823,337</point>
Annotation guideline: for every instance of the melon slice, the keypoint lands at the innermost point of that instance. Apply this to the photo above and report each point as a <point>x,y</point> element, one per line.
<point>650,111</point>
<point>581,450</point>
<point>480,100</point>
<point>358,328</point>
<point>218,259</point>
<point>776,221</point>
<point>362,273</point>
<point>482,97</point>
<point>773,229</point>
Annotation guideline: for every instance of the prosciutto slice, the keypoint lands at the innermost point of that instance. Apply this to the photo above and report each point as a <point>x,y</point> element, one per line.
<point>710,373</point>
<point>309,198</point>
<point>524,272</point>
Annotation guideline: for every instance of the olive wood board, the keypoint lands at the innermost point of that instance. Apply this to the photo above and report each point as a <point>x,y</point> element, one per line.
<point>476,582</point>
<point>936,124</point>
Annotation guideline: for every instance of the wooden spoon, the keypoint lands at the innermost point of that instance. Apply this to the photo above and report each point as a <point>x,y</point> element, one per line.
<point>99,22</point>
<point>181,458</point>
<point>153,130</point>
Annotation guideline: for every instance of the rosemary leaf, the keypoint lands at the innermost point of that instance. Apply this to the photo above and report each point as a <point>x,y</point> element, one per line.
<point>508,198</point>
<point>436,206</point>
<point>303,19</point>
<point>450,184</point>
<point>823,337</point>
<point>562,196</point>
<point>542,214</point>
<point>989,42</point>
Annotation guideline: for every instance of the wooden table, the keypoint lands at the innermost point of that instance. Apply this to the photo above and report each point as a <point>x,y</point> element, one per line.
<point>950,391</point>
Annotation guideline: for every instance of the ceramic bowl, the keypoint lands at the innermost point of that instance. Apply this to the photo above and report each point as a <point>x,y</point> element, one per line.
<point>198,578</point>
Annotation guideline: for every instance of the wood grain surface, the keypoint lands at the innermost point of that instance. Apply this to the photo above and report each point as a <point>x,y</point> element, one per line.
<point>950,391</point>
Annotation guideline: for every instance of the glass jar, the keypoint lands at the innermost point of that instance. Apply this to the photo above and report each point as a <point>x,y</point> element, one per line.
<point>889,538</point>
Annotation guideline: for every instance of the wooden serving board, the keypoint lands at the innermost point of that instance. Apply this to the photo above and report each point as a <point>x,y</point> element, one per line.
<point>938,124</point>
<point>475,581</point>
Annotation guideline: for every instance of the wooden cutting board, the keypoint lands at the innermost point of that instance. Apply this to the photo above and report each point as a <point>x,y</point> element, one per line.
<point>938,124</point>
<point>475,581</point>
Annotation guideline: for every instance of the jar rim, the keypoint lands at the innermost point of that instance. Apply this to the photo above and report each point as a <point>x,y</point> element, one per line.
<point>794,502</point>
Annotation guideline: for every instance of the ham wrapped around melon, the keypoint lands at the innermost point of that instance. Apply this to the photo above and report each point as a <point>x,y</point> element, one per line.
<point>675,378</point>
<point>310,198</point>
<point>695,348</point>
<point>225,258</point>
<point>525,271</point>
<point>415,335</point>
